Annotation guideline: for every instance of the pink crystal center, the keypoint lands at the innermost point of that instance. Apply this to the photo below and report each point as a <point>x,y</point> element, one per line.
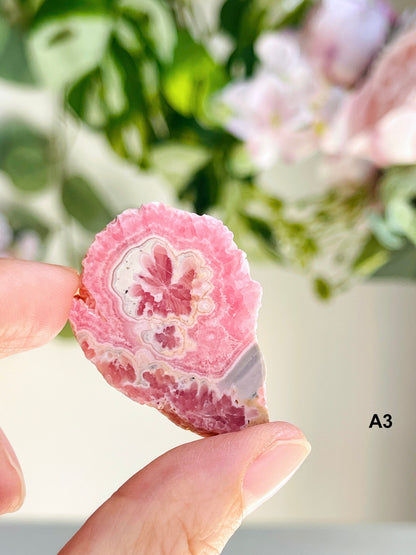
<point>167,288</point>
<point>175,296</point>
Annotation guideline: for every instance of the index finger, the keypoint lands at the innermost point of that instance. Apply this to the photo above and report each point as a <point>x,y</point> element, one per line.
<point>35,299</point>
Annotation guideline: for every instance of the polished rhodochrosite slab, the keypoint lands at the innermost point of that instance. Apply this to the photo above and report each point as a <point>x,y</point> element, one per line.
<point>167,312</point>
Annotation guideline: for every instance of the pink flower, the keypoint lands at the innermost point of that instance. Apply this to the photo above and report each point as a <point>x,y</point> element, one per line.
<point>378,122</point>
<point>343,36</point>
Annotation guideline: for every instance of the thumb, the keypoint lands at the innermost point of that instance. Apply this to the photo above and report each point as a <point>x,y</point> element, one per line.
<point>193,498</point>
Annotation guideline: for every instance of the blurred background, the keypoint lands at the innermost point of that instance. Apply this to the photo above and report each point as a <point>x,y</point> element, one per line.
<point>106,105</point>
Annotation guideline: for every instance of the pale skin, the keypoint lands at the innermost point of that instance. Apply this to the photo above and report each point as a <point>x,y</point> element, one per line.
<point>189,500</point>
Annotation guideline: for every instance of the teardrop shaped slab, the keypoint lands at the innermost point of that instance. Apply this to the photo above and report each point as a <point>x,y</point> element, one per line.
<point>167,312</point>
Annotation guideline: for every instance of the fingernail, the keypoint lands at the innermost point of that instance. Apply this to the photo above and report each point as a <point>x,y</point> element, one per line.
<point>271,470</point>
<point>11,474</point>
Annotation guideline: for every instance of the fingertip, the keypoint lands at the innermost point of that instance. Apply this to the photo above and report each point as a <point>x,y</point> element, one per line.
<point>35,300</point>
<point>274,465</point>
<point>12,485</point>
<point>281,430</point>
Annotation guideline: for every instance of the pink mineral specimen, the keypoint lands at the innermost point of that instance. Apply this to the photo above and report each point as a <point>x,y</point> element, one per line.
<point>167,312</point>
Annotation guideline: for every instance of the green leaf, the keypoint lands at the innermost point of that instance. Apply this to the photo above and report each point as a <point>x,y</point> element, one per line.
<point>100,95</point>
<point>389,238</point>
<point>114,86</point>
<point>129,76</point>
<point>21,219</point>
<point>86,99</point>
<point>287,13</point>
<point>4,33</point>
<point>130,134</point>
<point>64,49</point>
<point>111,99</point>
<point>191,78</point>
<point>239,163</point>
<point>398,192</point>
<point>263,231</point>
<point>152,20</point>
<point>24,155</point>
<point>322,288</point>
<point>52,9</point>
<point>203,190</point>
<point>372,256</point>
<point>14,64</point>
<point>178,161</point>
<point>402,264</point>
<point>128,138</point>
<point>243,20</point>
<point>27,168</point>
<point>83,203</point>
<point>232,15</point>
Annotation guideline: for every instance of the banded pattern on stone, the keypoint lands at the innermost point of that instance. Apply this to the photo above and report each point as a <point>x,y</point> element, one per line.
<point>167,312</point>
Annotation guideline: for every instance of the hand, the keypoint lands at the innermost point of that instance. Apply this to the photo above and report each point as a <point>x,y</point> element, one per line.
<point>189,500</point>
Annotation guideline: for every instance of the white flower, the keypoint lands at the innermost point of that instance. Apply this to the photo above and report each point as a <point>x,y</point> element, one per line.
<point>279,111</point>
<point>280,54</point>
<point>282,112</point>
<point>273,119</point>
